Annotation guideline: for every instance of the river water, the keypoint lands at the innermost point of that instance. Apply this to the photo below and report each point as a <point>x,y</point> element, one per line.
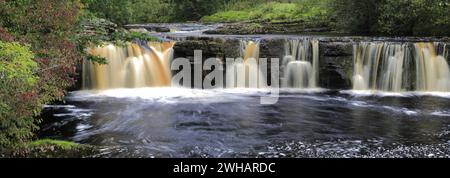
<point>176,122</point>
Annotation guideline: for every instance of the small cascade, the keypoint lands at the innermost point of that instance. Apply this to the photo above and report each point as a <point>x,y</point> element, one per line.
<point>395,67</point>
<point>432,69</point>
<point>133,66</point>
<point>300,65</point>
<point>245,73</point>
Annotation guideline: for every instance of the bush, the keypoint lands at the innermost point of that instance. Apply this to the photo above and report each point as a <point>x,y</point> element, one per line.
<point>28,81</point>
<point>393,17</point>
<point>145,11</point>
<point>273,11</point>
<point>18,104</point>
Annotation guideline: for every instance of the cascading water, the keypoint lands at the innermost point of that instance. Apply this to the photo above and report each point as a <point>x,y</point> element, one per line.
<point>133,66</point>
<point>301,64</point>
<point>389,67</point>
<point>246,73</point>
<point>432,69</point>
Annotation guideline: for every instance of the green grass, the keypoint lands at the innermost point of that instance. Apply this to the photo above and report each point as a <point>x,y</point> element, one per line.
<point>271,12</point>
<point>66,145</point>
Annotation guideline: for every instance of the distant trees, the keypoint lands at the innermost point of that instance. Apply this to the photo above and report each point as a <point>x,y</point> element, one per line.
<point>383,17</point>
<point>393,17</point>
<point>118,11</point>
<point>355,16</point>
<point>146,11</point>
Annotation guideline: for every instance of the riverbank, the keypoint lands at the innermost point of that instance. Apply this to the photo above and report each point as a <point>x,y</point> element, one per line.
<point>47,148</point>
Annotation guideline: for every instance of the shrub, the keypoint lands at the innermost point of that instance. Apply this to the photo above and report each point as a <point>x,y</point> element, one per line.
<point>18,104</point>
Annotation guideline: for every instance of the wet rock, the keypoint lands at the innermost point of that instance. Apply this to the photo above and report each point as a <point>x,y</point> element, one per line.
<point>270,28</point>
<point>272,48</point>
<point>210,46</point>
<point>50,151</point>
<point>336,65</point>
<point>97,26</point>
<point>148,27</point>
<point>335,72</point>
<point>161,29</point>
<point>335,49</point>
<point>219,48</point>
<point>140,30</point>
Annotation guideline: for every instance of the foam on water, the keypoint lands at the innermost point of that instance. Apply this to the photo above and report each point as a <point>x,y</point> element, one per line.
<point>365,93</point>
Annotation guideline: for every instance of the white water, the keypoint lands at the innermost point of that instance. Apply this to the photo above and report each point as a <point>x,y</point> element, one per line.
<point>246,72</point>
<point>388,67</point>
<point>300,65</point>
<point>133,66</point>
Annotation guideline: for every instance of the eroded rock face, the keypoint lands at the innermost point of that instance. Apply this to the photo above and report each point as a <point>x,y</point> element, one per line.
<point>150,28</point>
<point>246,28</point>
<point>210,46</point>
<point>336,58</point>
<point>336,65</point>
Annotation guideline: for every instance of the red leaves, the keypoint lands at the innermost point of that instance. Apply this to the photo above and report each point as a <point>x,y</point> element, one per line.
<point>5,36</point>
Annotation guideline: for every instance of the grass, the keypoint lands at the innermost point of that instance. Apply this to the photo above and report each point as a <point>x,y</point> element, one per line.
<point>66,145</point>
<point>271,12</point>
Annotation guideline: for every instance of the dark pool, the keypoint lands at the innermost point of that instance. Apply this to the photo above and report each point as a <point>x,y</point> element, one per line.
<point>174,122</point>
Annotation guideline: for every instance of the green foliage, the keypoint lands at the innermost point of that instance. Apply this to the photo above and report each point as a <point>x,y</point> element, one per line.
<point>124,37</point>
<point>146,11</point>
<point>355,16</point>
<point>271,11</point>
<point>66,145</point>
<point>45,26</point>
<point>93,31</point>
<point>194,10</point>
<point>414,17</point>
<point>116,10</point>
<point>228,16</point>
<point>120,38</point>
<point>393,17</point>
<point>18,104</point>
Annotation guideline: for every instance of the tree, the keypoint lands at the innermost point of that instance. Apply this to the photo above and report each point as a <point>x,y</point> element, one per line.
<point>393,17</point>
<point>356,16</point>
<point>18,103</point>
<point>44,26</point>
<point>118,11</point>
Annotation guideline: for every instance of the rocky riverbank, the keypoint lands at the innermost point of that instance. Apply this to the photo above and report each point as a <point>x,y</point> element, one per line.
<point>335,53</point>
<point>49,149</point>
<point>248,28</point>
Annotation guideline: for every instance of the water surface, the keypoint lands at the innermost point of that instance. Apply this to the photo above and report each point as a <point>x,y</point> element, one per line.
<point>175,122</point>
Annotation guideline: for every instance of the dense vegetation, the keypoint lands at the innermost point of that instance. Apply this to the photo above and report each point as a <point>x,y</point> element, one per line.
<point>304,10</point>
<point>371,17</point>
<point>393,17</point>
<point>17,81</point>
<point>37,61</point>
<point>41,41</point>
<point>143,11</point>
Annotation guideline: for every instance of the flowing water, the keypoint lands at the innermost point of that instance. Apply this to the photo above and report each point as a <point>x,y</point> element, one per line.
<point>245,72</point>
<point>392,67</point>
<point>128,108</point>
<point>133,66</point>
<point>176,122</point>
<point>301,64</point>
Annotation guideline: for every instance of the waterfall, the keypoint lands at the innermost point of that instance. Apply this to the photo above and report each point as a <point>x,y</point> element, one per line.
<point>389,67</point>
<point>432,69</point>
<point>245,73</point>
<point>300,65</point>
<point>133,66</point>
